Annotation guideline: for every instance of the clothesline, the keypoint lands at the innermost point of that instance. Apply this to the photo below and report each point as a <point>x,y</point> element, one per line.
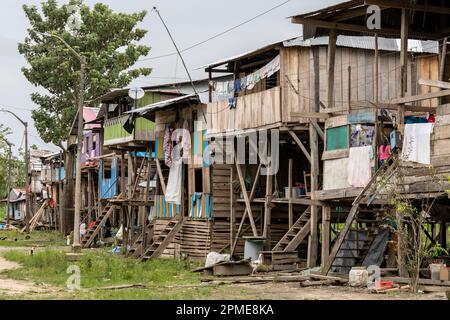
<point>247,82</point>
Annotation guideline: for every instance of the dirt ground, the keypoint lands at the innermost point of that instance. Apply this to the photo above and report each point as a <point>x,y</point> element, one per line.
<point>293,291</point>
<point>270,291</point>
<point>19,287</point>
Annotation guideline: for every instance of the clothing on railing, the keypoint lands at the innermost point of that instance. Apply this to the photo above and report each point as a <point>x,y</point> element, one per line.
<point>416,142</point>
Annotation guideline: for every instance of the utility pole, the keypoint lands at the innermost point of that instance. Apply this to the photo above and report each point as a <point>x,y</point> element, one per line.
<point>80,103</point>
<point>27,181</point>
<point>76,228</point>
<point>9,182</point>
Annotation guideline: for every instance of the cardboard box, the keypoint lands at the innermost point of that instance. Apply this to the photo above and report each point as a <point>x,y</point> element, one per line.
<point>444,274</point>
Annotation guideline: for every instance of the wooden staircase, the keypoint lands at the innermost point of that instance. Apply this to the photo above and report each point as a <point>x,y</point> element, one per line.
<point>296,234</point>
<point>136,249</point>
<point>161,241</point>
<point>368,194</point>
<point>89,238</point>
<point>358,247</point>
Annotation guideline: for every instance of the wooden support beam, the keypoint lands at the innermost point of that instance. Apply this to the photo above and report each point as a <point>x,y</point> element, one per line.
<point>318,128</point>
<point>244,216</point>
<point>313,115</point>
<point>409,5</point>
<point>300,144</point>
<point>232,208</point>
<point>268,209</point>
<point>290,208</point>
<point>326,233</point>
<point>434,83</point>
<point>245,195</point>
<point>343,26</point>
<point>313,245</point>
<point>443,60</point>
<point>160,175</point>
<point>391,106</point>
<point>420,97</point>
<point>443,235</point>
<point>404,29</point>
<point>331,59</point>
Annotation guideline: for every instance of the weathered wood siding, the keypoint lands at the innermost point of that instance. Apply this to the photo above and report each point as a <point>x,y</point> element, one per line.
<point>252,111</point>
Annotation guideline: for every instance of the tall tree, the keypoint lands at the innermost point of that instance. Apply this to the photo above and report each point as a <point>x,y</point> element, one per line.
<point>110,42</point>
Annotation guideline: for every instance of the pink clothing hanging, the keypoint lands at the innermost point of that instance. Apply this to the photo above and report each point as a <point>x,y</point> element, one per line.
<point>385,152</point>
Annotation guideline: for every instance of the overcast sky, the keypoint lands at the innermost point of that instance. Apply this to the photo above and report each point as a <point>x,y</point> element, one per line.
<point>190,22</point>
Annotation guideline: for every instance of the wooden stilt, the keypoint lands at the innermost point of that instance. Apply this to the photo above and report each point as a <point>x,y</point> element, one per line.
<point>245,195</point>
<point>244,216</point>
<point>289,196</point>
<point>326,232</point>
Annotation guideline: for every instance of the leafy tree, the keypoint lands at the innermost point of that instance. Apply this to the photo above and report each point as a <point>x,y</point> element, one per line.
<point>109,41</point>
<point>17,165</point>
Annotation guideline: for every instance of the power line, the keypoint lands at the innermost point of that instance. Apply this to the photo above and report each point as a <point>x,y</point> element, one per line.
<point>216,35</point>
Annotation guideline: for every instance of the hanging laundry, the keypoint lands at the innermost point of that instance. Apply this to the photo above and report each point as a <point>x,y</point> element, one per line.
<point>168,146</point>
<point>416,142</point>
<point>243,83</point>
<point>186,140</point>
<point>273,66</point>
<point>230,87</point>
<point>361,135</point>
<point>173,189</point>
<point>384,152</point>
<point>237,85</point>
<point>359,170</point>
<point>431,118</point>
<point>232,103</point>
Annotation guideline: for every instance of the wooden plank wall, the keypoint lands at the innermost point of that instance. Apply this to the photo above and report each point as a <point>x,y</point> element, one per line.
<point>252,111</point>
<point>297,64</point>
<point>420,178</point>
<point>193,241</point>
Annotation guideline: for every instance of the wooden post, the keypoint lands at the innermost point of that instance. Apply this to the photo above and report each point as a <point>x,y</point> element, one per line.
<point>443,59</point>
<point>160,176</point>
<point>89,195</point>
<point>376,138</point>
<point>210,88</point>
<point>443,234</point>
<point>268,209</point>
<point>245,195</point>
<point>314,239</point>
<point>290,209</point>
<point>403,60</point>
<point>60,194</point>
<point>349,105</point>
<point>330,67</point>
<point>252,194</point>
<point>232,208</point>
<point>442,62</point>
<point>326,229</point>
<point>123,187</point>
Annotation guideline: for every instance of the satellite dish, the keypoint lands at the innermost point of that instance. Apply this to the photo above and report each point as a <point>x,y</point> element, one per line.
<point>136,93</point>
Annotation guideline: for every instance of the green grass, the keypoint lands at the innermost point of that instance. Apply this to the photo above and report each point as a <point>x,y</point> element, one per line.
<point>100,268</point>
<point>14,238</point>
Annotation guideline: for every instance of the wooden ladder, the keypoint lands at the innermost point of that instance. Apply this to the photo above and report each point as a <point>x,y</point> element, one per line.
<point>357,252</point>
<point>369,193</point>
<point>136,249</point>
<point>161,241</point>
<point>296,234</point>
<point>89,238</point>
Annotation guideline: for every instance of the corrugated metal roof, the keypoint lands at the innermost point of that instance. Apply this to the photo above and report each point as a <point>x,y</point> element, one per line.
<point>367,43</point>
<point>193,98</point>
